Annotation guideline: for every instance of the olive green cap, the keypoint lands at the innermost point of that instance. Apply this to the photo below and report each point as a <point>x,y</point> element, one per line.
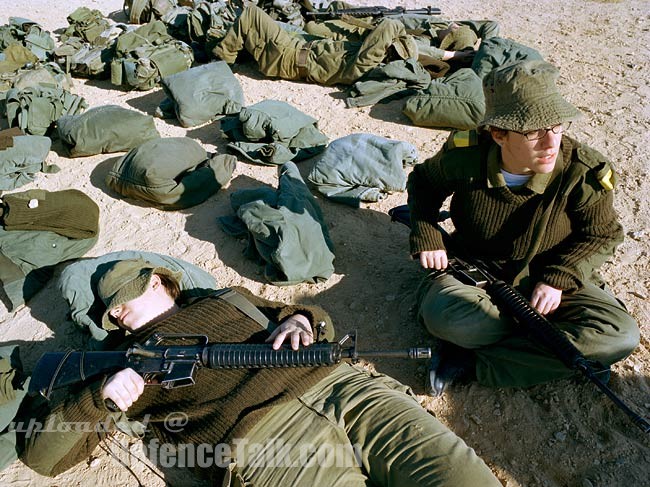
<point>523,96</point>
<point>127,280</point>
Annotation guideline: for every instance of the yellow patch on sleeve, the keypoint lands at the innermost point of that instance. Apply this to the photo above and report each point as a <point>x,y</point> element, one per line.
<point>606,181</point>
<point>462,138</point>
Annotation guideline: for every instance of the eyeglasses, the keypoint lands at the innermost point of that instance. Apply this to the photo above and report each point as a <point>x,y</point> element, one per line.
<point>541,133</point>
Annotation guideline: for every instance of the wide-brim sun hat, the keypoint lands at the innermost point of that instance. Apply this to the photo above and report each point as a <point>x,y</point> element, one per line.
<point>523,96</point>
<point>127,280</point>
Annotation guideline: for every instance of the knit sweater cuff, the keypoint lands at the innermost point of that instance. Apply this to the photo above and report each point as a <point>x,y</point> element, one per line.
<point>424,237</point>
<point>562,280</point>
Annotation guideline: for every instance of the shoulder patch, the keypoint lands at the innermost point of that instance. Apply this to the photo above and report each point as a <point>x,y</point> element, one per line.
<point>599,164</point>
<point>461,138</point>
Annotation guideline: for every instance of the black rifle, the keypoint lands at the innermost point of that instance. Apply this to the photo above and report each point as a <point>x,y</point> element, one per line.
<point>538,327</point>
<point>374,12</point>
<point>171,360</point>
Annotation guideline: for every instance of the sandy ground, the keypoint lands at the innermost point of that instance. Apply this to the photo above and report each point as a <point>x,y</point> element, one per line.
<point>562,434</point>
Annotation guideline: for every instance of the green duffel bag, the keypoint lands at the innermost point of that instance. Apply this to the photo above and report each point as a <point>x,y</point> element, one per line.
<point>455,101</point>
<point>201,94</point>
<point>104,129</point>
<point>172,173</point>
<point>498,51</point>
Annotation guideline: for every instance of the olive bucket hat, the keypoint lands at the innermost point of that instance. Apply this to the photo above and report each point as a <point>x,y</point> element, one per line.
<point>523,96</point>
<point>127,280</point>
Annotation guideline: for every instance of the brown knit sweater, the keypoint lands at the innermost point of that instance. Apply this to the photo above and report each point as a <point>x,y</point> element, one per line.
<point>496,222</point>
<point>69,212</point>
<point>224,404</point>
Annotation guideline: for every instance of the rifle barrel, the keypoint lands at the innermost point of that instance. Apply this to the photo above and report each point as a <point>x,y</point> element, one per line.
<point>411,353</point>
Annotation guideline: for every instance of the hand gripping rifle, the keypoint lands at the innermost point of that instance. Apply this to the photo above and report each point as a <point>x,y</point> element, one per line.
<point>538,327</point>
<point>374,12</point>
<point>171,360</point>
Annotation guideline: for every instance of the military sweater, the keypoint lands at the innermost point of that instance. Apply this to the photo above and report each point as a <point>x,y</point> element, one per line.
<point>498,223</point>
<point>223,404</point>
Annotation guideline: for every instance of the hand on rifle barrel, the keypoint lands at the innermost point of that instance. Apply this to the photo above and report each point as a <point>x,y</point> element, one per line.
<point>545,298</point>
<point>297,328</point>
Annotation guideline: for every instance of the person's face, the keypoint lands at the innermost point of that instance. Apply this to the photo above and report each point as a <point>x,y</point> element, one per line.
<point>523,156</point>
<point>154,302</point>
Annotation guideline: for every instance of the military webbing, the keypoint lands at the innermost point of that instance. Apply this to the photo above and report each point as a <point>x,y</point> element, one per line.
<point>301,61</point>
<point>245,306</point>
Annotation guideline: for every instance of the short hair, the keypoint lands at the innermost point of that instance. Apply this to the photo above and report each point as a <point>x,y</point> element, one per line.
<point>171,286</point>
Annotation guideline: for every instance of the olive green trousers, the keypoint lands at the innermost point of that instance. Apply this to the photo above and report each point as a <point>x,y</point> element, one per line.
<point>592,319</point>
<point>323,61</point>
<point>355,429</point>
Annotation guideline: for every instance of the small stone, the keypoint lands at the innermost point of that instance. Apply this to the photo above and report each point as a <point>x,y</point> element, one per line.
<point>560,436</point>
<point>94,463</point>
<point>638,295</point>
<point>476,419</point>
<point>33,203</point>
<point>497,412</point>
<point>638,234</point>
<point>390,297</point>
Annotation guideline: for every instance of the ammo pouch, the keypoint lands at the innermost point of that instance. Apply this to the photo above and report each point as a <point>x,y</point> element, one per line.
<point>147,54</point>
<point>35,108</point>
<point>82,59</point>
<point>85,24</point>
<point>208,22</point>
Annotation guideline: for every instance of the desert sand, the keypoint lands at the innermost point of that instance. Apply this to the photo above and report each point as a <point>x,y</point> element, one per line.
<point>564,434</point>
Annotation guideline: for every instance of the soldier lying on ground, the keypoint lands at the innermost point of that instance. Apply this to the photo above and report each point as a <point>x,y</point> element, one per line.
<point>384,435</point>
<point>323,61</point>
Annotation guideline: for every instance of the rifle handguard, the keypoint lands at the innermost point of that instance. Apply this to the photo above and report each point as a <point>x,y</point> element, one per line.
<point>240,356</point>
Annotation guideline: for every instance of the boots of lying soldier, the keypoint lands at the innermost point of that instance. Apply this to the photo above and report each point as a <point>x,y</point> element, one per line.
<point>450,364</point>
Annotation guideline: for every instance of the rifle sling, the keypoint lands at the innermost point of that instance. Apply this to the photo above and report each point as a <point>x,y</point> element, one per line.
<point>245,306</point>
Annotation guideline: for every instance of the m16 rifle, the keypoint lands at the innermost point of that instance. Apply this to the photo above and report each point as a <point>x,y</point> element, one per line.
<point>374,12</point>
<point>541,330</point>
<point>172,360</point>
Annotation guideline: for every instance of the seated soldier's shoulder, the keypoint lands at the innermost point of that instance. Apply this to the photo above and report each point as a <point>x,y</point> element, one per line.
<point>461,153</point>
<point>594,165</point>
